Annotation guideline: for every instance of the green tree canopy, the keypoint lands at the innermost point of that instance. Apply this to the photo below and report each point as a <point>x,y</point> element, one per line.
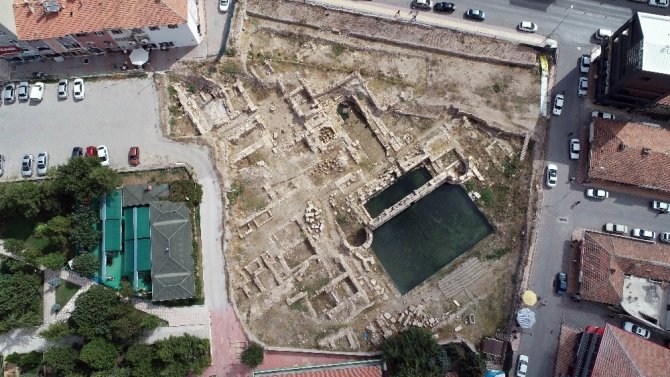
<point>184,355</point>
<point>186,190</point>
<point>26,361</point>
<point>84,234</point>
<point>22,199</point>
<point>86,264</point>
<point>253,355</point>
<point>465,362</point>
<point>56,331</point>
<point>57,231</point>
<point>414,353</point>
<point>141,358</point>
<point>60,361</point>
<point>99,354</point>
<point>94,310</point>
<point>20,297</point>
<point>52,261</point>
<point>116,372</point>
<point>83,179</point>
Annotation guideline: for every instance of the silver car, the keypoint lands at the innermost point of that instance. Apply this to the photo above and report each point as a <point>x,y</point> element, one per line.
<point>27,165</point>
<point>42,163</point>
<point>644,234</point>
<point>62,89</point>
<point>24,90</point>
<point>583,88</point>
<point>9,94</point>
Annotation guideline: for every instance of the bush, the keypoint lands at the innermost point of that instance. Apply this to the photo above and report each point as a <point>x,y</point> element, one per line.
<point>86,264</point>
<point>253,355</point>
<point>99,354</point>
<point>52,261</point>
<point>414,352</point>
<point>26,361</point>
<point>56,331</point>
<point>60,360</point>
<point>14,246</point>
<point>186,190</point>
<point>465,362</point>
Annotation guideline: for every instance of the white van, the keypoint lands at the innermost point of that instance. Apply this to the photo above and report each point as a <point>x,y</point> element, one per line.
<point>37,92</point>
<point>603,34</point>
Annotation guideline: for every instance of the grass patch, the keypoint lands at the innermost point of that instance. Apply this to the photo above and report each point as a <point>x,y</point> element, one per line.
<point>298,306</point>
<point>64,293</point>
<point>498,253</point>
<point>236,190</point>
<point>337,49</point>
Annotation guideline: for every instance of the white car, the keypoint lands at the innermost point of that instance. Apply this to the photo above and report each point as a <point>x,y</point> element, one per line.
<point>643,233</point>
<point>9,94</point>
<point>223,5</point>
<point>78,89</point>
<point>599,194</point>
<point>62,89</point>
<point>583,88</point>
<point>602,114</point>
<point>27,165</point>
<point>574,149</point>
<point>103,155</point>
<point>42,163</point>
<point>660,206</point>
<point>637,330</point>
<point>664,237</point>
<point>522,366</point>
<point>24,91</point>
<point>616,228</point>
<point>585,63</point>
<point>37,92</point>
<point>552,175</point>
<point>527,26</point>
<point>659,3</point>
<point>603,34</point>
<point>558,104</point>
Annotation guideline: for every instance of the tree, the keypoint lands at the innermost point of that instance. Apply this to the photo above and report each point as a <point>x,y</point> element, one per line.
<point>414,352</point>
<point>60,360</point>
<point>83,179</point>
<point>57,231</point>
<point>184,355</point>
<point>186,190</point>
<point>116,372</point>
<point>99,354</point>
<point>86,264</point>
<point>465,362</point>
<point>85,235</point>
<point>23,199</point>
<point>52,261</point>
<point>94,310</point>
<point>253,355</point>
<point>15,246</point>
<point>26,361</point>
<point>56,331</point>
<point>20,297</point>
<point>141,358</point>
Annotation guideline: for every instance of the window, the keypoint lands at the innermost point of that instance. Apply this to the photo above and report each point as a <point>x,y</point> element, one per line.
<point>98,33</point>
<point>81,34</point>
<point>173,26</point>
<point>154,28</point>
<point>117,31</point>
<point>13,41</point>
<point>71,45</point>
<point>137,30</point>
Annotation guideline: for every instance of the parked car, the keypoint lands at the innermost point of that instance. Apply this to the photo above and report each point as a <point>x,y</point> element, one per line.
<point>616,228</point>
<point>552,175</point>
<point>561,283</point>
<point>9,93</point>
<point>637,330</point>
<point>583,88</point>
<point>77,152</point>
<point>27,165</point>
<point>37,92</point>
<point>62,89</point>
<point>558,104</point>
<point>24,91</point>
<point>78,90</point>
<point>42,163</point>
<point>103,155</point>
<point>522,366</point>
<point>574,149</point>
<point>664,237</point>
<point>599,194</point>
<point>421,4</point>
<point>475,14</point>
<point>527,26</point>
<point>643,233</point>
<point>603,34</point>
<point>134,156</point>
<point>444,7</point>
<point>91,151</point>
<point>601,114</point>
<point>585,63</point>
<point>660,206</point>
<point>659,3</point>
<point>2,165</point>
<point>223,5</point>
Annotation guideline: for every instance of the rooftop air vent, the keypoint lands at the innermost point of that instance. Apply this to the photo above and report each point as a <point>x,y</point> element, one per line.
<point>622,146</point>
<point>646,150</point>
<point>51,6</point>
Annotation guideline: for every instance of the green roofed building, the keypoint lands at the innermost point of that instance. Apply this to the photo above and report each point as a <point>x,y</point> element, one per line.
<point>148,242</point>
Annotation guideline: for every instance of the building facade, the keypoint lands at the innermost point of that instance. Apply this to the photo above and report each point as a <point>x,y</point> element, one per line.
<point>57,29</point>
<point>634,66</point>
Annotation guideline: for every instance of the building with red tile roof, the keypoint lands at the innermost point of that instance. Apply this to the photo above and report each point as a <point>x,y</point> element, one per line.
<point>368,368</point>
<point>626,272</point>
<point>630,157</point>
<point>608,352</point>
<point>33,29</point>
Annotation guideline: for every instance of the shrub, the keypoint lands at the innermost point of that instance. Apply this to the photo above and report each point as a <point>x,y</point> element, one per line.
<point>186,190</point>
<point>86,264</point>
<point>253,355</point>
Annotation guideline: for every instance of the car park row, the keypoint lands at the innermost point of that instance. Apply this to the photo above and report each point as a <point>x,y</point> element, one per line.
<point>35,92</point>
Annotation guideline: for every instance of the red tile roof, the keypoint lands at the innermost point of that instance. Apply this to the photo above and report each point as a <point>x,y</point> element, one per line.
<point>79,16</point>
<point>607,258</point>
<point>630,153</point>
<point>334,371</point>
<point>624,354</point>
<point>567,342</point>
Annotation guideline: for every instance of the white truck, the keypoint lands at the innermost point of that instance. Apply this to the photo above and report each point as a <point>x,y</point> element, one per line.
<point>37,92</point>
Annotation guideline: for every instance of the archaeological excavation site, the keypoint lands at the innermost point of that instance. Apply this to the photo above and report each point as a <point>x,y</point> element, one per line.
<point>378,173</point>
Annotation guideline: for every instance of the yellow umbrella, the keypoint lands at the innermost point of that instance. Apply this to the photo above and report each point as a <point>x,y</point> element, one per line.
<point>529,298</point>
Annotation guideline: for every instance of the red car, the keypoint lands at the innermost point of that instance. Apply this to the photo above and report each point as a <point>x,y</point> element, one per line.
<point>134,156</point>
<point>91,151</point>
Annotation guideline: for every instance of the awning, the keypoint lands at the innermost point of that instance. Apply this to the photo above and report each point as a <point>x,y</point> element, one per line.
<point>525,318</point>
<point>139,56</point>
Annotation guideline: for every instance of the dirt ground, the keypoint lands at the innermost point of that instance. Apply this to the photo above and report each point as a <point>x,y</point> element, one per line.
<point>322,123</point>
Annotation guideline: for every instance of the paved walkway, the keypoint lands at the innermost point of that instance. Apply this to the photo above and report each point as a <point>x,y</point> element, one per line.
<point>175,316</point>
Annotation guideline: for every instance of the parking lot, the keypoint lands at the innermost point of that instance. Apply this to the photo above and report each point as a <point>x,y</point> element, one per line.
<point>115,113</point>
